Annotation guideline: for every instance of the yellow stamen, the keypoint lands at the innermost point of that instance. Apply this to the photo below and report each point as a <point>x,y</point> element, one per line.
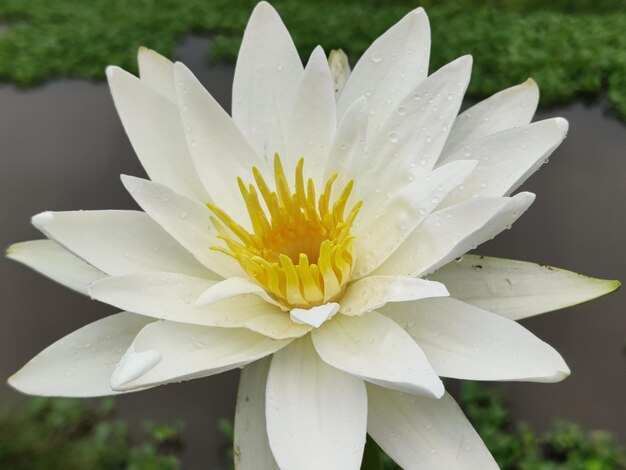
<point>300,249</point>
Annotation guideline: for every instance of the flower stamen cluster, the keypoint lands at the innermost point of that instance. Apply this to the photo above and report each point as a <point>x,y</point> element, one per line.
<point>300,250</point>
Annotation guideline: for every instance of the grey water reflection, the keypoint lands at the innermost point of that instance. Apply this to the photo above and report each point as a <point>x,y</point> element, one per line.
<point>63,148</point>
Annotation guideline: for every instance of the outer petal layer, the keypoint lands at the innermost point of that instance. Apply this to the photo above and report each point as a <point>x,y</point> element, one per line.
<point>376,349</point>
<point>80,364</point>
<point>118,242</point>
<point>53,261</point>
<point>252,448</point>
<point>189,351</point>
<point>316,414</point>
<point>418,432</point>
<point>518,289</point>
<point>451,232</point>
<point>465,342</point>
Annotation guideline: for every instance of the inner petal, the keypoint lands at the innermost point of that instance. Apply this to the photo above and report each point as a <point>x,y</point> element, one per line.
<point>300,249</point>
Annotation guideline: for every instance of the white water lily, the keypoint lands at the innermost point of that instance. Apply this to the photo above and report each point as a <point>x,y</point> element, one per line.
<point>312,239</point>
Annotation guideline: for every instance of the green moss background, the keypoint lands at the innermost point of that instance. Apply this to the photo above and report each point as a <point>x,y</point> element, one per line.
<point>573,49</point>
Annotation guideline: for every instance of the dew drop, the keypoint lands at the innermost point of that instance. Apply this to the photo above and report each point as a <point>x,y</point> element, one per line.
<point>393,137</point>
<point>402,110</point>
<point>377,58</point>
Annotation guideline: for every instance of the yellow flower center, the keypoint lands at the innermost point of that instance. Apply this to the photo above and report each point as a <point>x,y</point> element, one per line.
<point>300,250</point>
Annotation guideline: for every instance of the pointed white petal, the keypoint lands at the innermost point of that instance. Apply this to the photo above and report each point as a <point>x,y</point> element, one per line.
<point>172,296</point>
<point>251,447</point>
<point>133,365</point>
<point>53,261</point>
<point>386,220</point>
<point>233,287</point>
<point>518,289</point>
<point>218,149</point>
<point>376,349</point>
<point>372,292</point>
<point>157,72</point>
<point>451,232</point>
<point>316,415</point>
<point>507,159</point>
<point>190,351</point>
<point>185,220</point>
<point>267,77</point>
<point>153,125</point>
<point>390,68</point>
<point>410,140</point>
<point>348,146</point>
<point>506,109</point>
<point>314,316</point>
<point>81,363</point>
<point>118,242</point>
<point>418,432</point>
<point>465,342</point>
<point>312,125</point>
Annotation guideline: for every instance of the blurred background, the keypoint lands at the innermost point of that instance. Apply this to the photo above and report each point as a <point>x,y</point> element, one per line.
<point>63,148</point>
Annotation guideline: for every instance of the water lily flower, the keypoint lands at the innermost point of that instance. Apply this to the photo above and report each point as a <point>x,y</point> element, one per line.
<point>313,239</point>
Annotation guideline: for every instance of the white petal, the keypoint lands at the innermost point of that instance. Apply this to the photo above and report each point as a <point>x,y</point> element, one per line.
<point>81,363</point>
<point>185,220</point>
<point>372,292</point>
<point>386,220</point>
<point>410,140</point>
<point>157,72</point>
<point>153,125</point>
<point>420,433</point>
<point>219,150</point>
<point>348,146</point>
<point>190,351</point>
<point>518,289</point>
<point>376,349</point>
<point>506,109</point>
<point>133,365</point>
<point>451,232</point>
<point>507,159</point>
<point>314,316</point>
<point>390,68</point>
<point>172,296</point>
<point>267,77</point>
<point>465,342</point>
<point>251,447</point>
<point>53,261</point>
<point>311,127</point>
<point>118,242</point>
<point>233,287</point>
<point>316,414</point>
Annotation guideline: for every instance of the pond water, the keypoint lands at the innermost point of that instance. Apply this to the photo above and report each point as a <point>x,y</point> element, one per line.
<point>63,148</point>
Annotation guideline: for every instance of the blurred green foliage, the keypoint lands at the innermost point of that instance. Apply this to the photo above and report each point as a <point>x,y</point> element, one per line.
<point>564,447</point>
<point>71,434</point>
<point>572,48</point>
